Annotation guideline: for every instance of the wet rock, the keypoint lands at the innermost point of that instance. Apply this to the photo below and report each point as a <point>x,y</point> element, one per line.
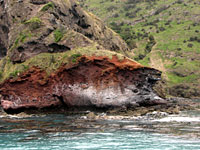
<point>156,115</point>
<point>91,115</point>
<point>173,110</point>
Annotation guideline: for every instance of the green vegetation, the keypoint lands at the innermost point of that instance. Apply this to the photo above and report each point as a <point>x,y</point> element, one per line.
<point>50,61</point>
<point>168,27</point>
<point>34,23</point>
<point>21,38</point>
<point>33,20</point>
<point>1,74</point>
<point>14,74</point>
<point>74,57</point>
<point>47,6</point>
<point>150,44</point>
<point>58,35</point>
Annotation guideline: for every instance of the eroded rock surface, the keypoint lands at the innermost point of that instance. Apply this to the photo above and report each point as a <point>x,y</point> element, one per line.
<point>4,30</point>
<point>91,82</point>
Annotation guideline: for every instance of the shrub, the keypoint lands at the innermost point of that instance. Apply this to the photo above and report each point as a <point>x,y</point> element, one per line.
<point>140,57</point>
<point>47,6</point>
<point>179,49</point>
<point>150,44</point>
<point>167,23</point>
<point>151,38</point>
<point>58,35</point>
<point>195,38</point>
<point>34,22</point>
<point>26,67</point>
<point>190,45</point>
<point>111,8</point>
<point>74,57</point>
<point>21,38</point>
<point>161,28</point>
<point>130,14</point>
<point>14,74</point>
<point>128,7</point>
<point>132,44</point>
<point>115,15</point>
<point>192,39</point>
<point>195,24</point>
<point>179,1</point>
<point>159,10</point>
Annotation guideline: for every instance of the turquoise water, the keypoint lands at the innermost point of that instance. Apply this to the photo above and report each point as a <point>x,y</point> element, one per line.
<point>63,132</point>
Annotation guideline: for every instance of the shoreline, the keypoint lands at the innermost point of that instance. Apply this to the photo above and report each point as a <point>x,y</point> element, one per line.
<point>182,124</point>
<point>173,106</point>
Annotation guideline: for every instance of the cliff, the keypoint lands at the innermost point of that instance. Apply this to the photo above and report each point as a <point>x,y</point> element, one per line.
<point>92,82</point>
<point>54,54</point>
<point>30,27</point>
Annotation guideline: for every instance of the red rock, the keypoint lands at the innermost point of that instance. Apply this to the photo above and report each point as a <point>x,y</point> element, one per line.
<point>93,81</point>
<point>6,104</point>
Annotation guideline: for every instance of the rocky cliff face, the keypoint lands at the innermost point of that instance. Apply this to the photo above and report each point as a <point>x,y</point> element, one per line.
<point>4,29</point>
<point>30,27</point>
<point>91,82</point>
<point>53,54</point>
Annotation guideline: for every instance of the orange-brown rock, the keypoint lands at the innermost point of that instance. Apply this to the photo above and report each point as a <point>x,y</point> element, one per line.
<point>91,82</point>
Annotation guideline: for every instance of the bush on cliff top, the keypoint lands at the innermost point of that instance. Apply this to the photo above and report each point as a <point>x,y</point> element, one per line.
<point>74,57</point>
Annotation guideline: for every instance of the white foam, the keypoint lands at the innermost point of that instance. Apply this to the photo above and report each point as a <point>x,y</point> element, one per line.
<point>19,116</point>
<point>178,119</point>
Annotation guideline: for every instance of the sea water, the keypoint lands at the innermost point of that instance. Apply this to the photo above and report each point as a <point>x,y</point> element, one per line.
<point>72,132</point>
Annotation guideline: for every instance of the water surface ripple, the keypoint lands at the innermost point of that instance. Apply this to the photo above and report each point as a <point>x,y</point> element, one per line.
<point>63,132</point>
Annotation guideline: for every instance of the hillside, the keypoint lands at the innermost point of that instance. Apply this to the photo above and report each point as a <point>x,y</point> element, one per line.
<point>53,54</point>
<point>164,34</point>
<point>33,33</point>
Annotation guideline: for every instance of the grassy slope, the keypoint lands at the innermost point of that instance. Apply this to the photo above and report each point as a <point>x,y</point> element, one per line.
<point>35,27</point>
<point>50,62</point>
<point>173,24</point>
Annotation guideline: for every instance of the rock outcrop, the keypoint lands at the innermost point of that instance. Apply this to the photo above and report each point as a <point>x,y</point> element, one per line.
<point>91,82</point>
<point>31,27</point>
<point>54,54</point>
